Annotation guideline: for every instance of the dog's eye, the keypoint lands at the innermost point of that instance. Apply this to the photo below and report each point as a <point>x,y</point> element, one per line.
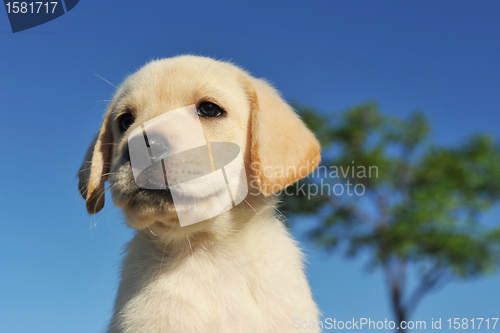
<point>207,109</point>
<point>126,121</point>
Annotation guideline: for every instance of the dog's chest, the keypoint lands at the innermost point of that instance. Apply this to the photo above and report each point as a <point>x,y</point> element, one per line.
<point>198,295</point>
<point>242,290</point>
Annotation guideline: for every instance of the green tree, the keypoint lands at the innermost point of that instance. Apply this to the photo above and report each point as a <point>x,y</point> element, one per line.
<point>422,208</point>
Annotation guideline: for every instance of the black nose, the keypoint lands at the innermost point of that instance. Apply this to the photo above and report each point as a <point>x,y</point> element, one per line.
<point>157,142</point>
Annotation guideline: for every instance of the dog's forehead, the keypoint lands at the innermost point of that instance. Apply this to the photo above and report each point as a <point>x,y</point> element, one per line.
<point>183,77</point>
<point>172,83</point>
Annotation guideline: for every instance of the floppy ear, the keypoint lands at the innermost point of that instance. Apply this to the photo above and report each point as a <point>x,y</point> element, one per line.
<point>283,149</point>
<point>96,165</point>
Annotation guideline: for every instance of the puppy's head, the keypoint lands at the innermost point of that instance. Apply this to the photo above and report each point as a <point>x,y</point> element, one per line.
<point>232,106</point>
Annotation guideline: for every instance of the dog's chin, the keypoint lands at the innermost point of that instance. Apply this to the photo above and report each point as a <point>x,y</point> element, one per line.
<point>144,207</point>
<point>166,221</point>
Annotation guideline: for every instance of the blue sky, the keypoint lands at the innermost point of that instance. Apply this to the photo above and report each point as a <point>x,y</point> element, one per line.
<point>59,267</point>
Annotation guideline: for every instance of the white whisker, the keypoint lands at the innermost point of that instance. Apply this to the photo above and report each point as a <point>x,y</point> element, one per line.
<point>105,80</point>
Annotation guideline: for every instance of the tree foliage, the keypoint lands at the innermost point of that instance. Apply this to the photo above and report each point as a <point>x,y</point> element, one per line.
<point>423,208</point>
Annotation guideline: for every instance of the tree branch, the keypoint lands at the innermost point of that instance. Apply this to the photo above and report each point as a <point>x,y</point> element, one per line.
<point>430,281</point>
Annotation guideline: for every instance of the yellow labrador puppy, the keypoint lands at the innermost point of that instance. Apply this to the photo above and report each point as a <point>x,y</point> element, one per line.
<point>239,271</point>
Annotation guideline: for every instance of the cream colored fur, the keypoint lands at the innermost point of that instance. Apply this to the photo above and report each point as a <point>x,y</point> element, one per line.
<point>237,272</point>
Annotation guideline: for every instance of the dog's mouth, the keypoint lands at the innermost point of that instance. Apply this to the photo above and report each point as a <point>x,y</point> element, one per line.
<point>128,195</point>
<point>193,185</point>
<point>154,201</point>
<point>149,202</point>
